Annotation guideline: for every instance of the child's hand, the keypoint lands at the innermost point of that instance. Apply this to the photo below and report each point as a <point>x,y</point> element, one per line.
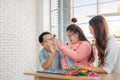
<point>66,68</point>
<point>57,42</point>
<point>79,66</point>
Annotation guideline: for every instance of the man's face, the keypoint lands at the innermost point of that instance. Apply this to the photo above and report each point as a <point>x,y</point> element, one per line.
<point>47,39</point>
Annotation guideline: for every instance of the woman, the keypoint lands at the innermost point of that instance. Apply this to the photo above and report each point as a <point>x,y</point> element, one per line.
<point>108,48</point>
<point>78,50</point>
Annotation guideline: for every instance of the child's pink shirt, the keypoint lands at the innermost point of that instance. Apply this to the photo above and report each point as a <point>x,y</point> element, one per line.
<point>78,53</point>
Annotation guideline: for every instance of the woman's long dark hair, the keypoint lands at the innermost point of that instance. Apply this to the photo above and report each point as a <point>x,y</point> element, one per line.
<point>76,29</point>
<point>100,27</point>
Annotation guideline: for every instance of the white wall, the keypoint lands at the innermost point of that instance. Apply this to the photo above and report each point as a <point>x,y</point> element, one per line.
<point>18,38</point>
<point>44,15</point>
<point>43,21</point>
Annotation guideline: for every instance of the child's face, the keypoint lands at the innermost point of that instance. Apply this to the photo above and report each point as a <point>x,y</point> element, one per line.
<point>73,37</point>
<point>47,39</point>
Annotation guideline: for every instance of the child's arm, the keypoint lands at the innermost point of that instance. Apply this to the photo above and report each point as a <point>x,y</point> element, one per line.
<point>64,63</point>
<point>82,52</point>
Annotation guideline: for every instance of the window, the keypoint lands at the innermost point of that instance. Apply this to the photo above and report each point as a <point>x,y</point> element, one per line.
<point>82,8</point>
<point>60,16</point>
<point>63,10</point>
<point>54,17</point>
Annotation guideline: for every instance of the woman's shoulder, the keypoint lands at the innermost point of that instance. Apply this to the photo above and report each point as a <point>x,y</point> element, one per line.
<point>112,44</point>
<point>112,40</point>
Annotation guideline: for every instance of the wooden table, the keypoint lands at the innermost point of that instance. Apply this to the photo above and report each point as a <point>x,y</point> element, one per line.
<point>44,76</point>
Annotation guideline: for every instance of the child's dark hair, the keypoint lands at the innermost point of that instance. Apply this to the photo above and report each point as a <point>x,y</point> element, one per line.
<point>41,36</point>
<point>74,20</point>
<point>76,29</point>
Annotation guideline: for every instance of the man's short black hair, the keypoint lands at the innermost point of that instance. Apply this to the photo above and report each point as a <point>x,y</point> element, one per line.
<point>41,36</point>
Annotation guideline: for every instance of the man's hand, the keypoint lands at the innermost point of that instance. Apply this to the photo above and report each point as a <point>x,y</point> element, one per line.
<point>52,48</point>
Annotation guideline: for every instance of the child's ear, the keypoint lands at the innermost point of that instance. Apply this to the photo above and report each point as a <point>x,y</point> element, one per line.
<point>77,34</point>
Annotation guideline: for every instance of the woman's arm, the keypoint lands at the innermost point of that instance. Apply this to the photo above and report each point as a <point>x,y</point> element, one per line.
<point>94,69</point>
<point>98,70</point>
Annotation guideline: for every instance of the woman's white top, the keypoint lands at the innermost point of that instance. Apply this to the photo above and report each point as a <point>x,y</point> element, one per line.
<point>112,56</point>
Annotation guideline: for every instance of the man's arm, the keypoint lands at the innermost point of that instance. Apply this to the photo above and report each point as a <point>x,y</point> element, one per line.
<point>48,62</point>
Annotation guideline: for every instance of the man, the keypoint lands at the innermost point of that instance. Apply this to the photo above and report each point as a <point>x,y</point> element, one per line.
<point>49,56</point>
